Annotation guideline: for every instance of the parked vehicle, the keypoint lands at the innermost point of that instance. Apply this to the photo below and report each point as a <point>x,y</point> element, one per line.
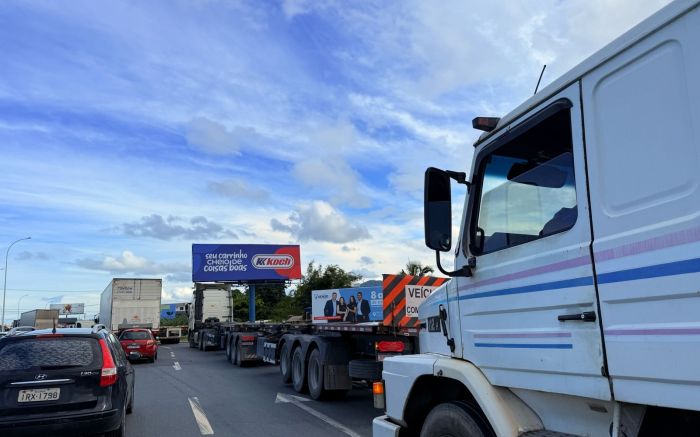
<point>573,309</point>
<point>210,306</point>
<point>20,329</point>
<point>131,303</point>
<point>139,344</point>
<point>71,381</point>
<point>39,319</point>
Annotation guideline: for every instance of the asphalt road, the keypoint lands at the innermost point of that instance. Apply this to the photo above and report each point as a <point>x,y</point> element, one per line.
<point>191,393</point>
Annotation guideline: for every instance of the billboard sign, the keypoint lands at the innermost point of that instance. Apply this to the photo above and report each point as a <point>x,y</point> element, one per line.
<point>68,308</point>
<point>354,305</point>
<point>245,262</point>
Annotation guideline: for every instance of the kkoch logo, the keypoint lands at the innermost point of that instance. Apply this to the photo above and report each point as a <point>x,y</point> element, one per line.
<point>274,261</point>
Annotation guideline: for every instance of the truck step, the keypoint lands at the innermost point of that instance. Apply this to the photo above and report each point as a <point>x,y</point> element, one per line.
<point>546,433</point>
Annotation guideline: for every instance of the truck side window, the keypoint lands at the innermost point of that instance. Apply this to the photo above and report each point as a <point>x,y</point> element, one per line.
<point>526,187</point>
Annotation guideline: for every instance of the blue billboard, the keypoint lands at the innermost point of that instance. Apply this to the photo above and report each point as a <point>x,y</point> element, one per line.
<point>245,262</point>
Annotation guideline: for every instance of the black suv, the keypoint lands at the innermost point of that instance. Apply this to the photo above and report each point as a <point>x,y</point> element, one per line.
<point>69,381</point>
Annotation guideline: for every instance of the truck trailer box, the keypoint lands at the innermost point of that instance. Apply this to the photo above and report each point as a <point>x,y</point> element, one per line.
<point>40,319</point>
<point>131,303</point>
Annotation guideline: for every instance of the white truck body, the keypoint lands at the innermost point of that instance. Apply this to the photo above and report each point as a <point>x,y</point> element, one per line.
<point>40,319</point>
<point>134,302</point>
<point>582,311</point>
<point>210,301</point>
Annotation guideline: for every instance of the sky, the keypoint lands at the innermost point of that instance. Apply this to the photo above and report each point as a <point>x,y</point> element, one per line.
<point>130,130</point>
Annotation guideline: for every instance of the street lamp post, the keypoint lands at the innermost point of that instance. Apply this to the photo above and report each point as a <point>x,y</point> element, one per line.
<point>4,284</point>
<point>18,302</point>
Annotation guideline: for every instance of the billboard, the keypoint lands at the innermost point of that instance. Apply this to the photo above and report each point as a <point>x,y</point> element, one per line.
<point>245,262</point>
<point>68,308</point>
<point>354,305</point>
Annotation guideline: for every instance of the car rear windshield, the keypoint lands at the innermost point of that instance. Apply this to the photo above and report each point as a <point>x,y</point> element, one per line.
<point>47,353</point>
<point>135,335</point>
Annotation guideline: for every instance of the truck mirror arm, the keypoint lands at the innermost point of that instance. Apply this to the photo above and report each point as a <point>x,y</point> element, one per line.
<point>464,271</point>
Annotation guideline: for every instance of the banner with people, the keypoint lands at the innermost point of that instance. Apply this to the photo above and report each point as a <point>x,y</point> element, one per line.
<point>353,305</point>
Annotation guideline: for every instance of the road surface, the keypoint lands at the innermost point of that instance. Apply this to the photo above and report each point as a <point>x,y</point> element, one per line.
<point>191,393</point>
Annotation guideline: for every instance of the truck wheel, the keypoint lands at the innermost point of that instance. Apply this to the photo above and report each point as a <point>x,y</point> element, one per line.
<point>298,371</point>
<point>315,375</point>
<point>239,361</point>
<point>285,364</point>
<point>454,419</point>
<point>192,343</point>
<point>368,370</point>
<point>228,350</point>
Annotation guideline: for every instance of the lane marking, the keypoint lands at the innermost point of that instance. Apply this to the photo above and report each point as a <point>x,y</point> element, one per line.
<point>172,354</point>
<point>176,366</point>
<point>300,402</point>
<point>201,418</point>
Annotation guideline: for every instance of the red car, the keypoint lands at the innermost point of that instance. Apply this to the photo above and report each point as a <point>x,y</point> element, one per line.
<point>138,344</point>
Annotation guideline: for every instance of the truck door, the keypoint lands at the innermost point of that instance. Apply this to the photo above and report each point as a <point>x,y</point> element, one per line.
<point>529,313</point>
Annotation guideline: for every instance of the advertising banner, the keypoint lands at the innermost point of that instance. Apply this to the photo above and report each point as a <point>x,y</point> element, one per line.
<point>354,305</point>
<point>245,262</point>
<point>68,308</point>
<point>404,294</point>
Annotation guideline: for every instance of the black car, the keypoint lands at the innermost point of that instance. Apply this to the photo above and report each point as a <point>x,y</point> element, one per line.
<point>70,381</point>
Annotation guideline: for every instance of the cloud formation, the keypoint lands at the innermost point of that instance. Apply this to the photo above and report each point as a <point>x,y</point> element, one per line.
<point>319,221</point>
<point>213,137</point>
<point>155,226</point>
<point>26,255</point>
<point>129,263</point>
<point>238,189</point>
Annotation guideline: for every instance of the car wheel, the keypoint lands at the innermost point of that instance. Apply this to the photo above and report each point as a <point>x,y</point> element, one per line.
<point>285,364</point>
<point>121,431</point>
<point>454,419</point>
<point>298,371</point>
<point>315,375</point>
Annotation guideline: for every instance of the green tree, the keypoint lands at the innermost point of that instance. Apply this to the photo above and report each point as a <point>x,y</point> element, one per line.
<point>321,278</point>
<point>415,268</point>
<point>178,320</point>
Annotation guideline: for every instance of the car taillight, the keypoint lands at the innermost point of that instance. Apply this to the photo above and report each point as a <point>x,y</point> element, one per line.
<point>108,376</point>
<point>150,343</point>
<point>390,346</point>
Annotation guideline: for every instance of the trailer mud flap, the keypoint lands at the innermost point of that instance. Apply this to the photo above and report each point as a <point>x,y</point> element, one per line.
<point>336,377</point>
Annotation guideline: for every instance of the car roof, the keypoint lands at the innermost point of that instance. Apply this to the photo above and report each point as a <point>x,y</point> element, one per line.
<point>63,331</point>
<point>137,329</point>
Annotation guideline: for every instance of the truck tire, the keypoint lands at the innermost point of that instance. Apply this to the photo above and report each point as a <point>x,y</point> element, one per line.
<point>232,355</point>
<point>228,350</point>
<point>455,419</point>
<point>237,350</point>
<point>286,364</point>
<point>192,343</point>
<point>298,371</point>
<point>315,376</point>
<point>368,370</point>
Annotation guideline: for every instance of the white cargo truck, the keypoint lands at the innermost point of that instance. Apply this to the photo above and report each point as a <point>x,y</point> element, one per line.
<point>40,319</point>
<point>131,303</point>
<point>574,308</point>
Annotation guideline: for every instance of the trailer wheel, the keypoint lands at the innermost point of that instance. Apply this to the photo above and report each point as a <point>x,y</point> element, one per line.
<point>228,350</point>
<point>298,371</point>
<point>315,376</point>
<point>192,343</point>
<point>368,370</point>
<point>285,364</point>
<point>455,419</point>
<point>237,350</point>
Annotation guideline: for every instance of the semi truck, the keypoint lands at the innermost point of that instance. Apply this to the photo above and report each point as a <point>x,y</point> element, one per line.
<point>573,308</point>
<point>40,319</point>
<point>131,303</point>
<point>342,342</point>
<point>210,308</point>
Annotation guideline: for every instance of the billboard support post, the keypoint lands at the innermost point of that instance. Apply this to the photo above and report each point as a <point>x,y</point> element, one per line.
<point>251,302</point>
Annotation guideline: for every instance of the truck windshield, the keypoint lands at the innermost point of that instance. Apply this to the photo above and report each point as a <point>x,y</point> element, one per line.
<point>527,188</point>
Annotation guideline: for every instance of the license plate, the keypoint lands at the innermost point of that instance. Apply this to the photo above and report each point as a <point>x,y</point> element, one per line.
<point>133,346</point>
<point>39,395</point>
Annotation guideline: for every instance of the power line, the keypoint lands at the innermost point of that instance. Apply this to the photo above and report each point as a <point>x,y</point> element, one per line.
<point>53,291</point>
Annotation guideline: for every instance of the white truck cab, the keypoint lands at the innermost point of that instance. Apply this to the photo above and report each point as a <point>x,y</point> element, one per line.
<point>575,306</point>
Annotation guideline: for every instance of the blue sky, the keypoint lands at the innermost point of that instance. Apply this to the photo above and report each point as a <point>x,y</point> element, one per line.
<point>130,130</point>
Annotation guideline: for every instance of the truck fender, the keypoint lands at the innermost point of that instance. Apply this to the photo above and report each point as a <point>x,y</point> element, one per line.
<point>507,414</point>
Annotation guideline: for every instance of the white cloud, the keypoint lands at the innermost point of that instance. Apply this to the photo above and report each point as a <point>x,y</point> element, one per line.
<point>319,221</point>
<point>155,226</point>
<point>129,263</point>
<point>238,189</point>
<point>213,137</point>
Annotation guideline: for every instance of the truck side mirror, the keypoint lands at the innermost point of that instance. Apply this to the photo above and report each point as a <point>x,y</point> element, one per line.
<point>437,209</point>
